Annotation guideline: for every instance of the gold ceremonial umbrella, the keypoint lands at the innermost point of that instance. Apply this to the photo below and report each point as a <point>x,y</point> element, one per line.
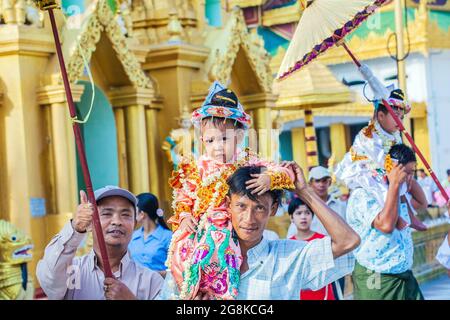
<point>323,24</point>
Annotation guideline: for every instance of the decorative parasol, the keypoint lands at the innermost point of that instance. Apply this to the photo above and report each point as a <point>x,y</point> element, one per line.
<point>325,23</point>
<point>49,5</point>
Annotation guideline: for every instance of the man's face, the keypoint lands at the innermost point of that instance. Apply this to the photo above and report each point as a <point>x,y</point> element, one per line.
<point>117,220</point>
<point>302,218</point>
<point>249,218</point>
<point>410,168</point>
<point>321,186</point>
<point>387,122</point>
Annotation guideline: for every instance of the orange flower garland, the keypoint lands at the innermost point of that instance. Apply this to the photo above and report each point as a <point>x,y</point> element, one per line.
<point>280,181</point>
<point>368,131</point>
<point>388,163</point>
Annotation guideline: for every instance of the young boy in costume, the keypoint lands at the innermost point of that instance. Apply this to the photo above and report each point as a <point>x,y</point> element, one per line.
<point>366,163</point>
<point>204,254</point>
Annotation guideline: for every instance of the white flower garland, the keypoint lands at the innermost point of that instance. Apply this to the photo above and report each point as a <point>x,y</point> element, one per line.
<point>388,140</point>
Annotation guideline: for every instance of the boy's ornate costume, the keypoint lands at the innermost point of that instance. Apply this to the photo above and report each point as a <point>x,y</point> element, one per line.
<point>368,162</point>
<point>210,259</point>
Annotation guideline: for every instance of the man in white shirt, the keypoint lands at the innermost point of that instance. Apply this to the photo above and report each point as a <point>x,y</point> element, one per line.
<point>320,182</point>
<point>63,276</point>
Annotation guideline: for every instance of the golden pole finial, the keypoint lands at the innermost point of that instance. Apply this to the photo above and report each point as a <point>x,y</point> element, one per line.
<point>306,3</point>
<point>45,4</point>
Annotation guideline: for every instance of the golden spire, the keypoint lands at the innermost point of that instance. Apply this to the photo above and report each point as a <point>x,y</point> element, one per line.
<point>174,28</point>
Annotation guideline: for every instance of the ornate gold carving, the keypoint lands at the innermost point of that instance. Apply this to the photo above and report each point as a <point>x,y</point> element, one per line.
<point>103,20</point>
<point>238,37</point>
<point>424,34</point>
<point>17,12</point>
<point>245,3</point>
<point>174,28</point>
<point>45,4</point>
<point>282,15</point>
<point>14,254</point>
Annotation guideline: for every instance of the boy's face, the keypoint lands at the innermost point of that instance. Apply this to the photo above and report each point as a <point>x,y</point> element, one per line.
<point>387,122</point>
<point>221,141</point>
<point>421,174</point>
<point>302,218</point>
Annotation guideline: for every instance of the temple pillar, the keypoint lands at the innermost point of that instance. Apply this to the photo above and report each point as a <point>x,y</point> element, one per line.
<point>422,139</point>
<point>339,141</point>
<point>299,147</point>
<point>260,105</point>
<point>63,168</point>
<point>312,158</point>
<point>24,53</point>
<point>154,149</point>
<point>119,116</point>
<point>172,65</point>
<point>131,124</point>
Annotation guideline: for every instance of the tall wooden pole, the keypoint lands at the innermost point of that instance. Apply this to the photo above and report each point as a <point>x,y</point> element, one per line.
<point>49,5</point>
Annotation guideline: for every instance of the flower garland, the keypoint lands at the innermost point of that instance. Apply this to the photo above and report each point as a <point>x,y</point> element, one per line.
<point>388,163</point>
<point>280,181</point>
<point>388,140</point>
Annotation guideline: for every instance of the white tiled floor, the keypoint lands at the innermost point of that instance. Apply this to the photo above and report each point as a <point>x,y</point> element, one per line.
<point>437,289</point>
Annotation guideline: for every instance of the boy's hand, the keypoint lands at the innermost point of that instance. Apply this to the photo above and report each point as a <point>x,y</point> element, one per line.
<point>83,216</point>
<point>300,181</point>
<point>260,183</point>
<point>188,223</point>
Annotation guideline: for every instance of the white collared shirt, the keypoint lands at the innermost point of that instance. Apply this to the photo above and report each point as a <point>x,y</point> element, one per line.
<point>63,276</point>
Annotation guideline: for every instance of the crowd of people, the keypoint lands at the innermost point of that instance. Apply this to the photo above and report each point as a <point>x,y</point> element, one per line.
<point>218,247</point>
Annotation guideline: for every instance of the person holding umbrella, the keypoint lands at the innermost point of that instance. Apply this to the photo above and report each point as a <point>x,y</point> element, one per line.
<point>65,277</point>
<point>385,256</point>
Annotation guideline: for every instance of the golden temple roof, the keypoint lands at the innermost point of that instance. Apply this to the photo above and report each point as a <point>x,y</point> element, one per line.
<point>227,42</point>
<point>97,30</point>
<point>314,86</point>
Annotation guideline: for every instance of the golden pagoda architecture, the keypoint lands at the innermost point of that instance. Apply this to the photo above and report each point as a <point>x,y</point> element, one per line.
<point>151,63</point>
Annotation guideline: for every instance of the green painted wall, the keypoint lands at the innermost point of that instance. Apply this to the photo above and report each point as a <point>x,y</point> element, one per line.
<point>100,139</point>
<point>213,12</point>
<point>286,146</point>
<point>73,7</point>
